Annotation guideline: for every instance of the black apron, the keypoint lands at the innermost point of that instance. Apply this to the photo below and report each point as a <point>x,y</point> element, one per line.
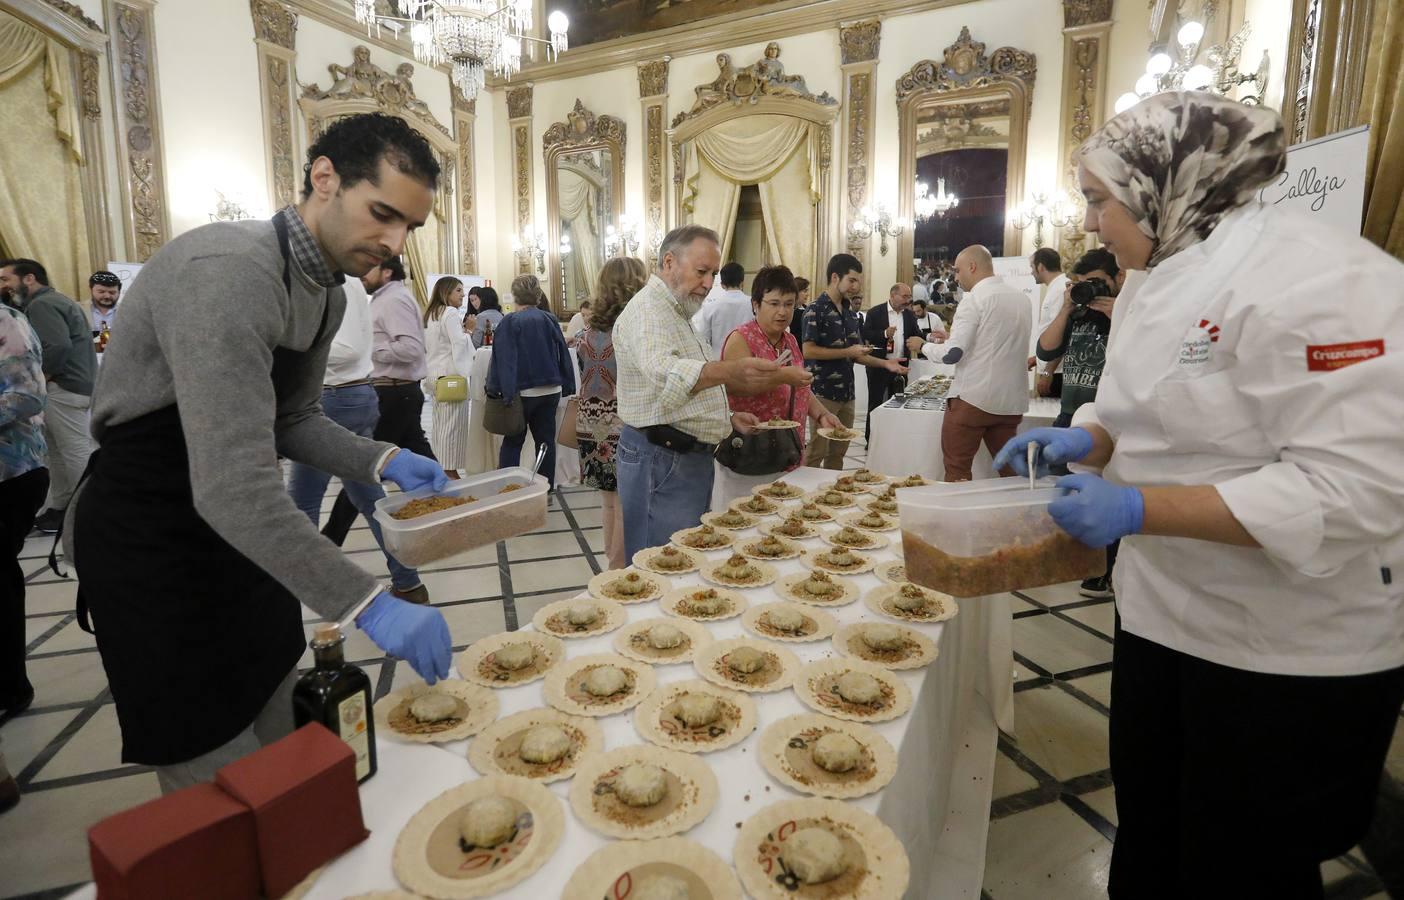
<point>194,636</point>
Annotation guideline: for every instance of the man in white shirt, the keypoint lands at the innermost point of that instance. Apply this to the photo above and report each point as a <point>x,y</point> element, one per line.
<point>719,318</point>
<point>1047,268</point>
<point>988,342</point>
<point>349,400</point>
<point>577,322</point>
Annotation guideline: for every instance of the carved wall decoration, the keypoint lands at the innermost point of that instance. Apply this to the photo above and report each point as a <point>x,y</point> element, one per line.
<point>1085,44</point>
<point>139,127</point>
<point>274,23</point>
<point>1301,73</point>
<point>583,128</point>
<point>519,102</point>
<point>465,116</point>
<point>519,113</point>
<point>965,65</point>
<point>653,94</point>
<point>90,84</point>
<point>860,41</point>
<point>1086,12</point>
<point>763,78</point>
<point>75,11</point>
<point>653,77</point>
<point>275,35</point>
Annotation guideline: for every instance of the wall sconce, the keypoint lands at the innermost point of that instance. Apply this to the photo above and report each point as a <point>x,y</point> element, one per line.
<point>1165,72</point>
<point>875,220</point>
<point>1041,209</point>
<point>565,246</point>
<point>227,210</point>
<point>623,241</point>
<point>529,246</point>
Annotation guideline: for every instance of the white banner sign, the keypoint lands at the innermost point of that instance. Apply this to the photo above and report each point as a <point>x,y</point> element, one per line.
<point>125,271</point>
<point>1007,267</point>
<point>1325,178</point>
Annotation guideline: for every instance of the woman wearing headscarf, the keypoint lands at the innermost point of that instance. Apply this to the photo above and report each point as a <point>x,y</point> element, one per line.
<point>1248,426</point>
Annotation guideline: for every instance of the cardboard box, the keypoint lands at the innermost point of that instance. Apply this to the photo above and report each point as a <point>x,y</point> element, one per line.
<point>302,792</point>
<point>198,842</point>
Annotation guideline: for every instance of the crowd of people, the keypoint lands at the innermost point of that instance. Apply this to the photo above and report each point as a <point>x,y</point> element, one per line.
<point>1230,432</point>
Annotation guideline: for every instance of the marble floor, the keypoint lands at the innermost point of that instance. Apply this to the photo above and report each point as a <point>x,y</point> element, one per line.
<point>1053,816</point>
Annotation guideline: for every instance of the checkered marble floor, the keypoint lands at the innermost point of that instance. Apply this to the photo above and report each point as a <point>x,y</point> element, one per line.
<point>1052,820</point>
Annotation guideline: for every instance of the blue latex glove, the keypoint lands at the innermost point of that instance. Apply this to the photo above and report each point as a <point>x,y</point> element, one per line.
<point>412,472</point>
<point>1057,445</point>
<point>417,634</point>
<point>1095,511</point>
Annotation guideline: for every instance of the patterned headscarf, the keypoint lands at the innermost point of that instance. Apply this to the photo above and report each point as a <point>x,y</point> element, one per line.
<point>1182,161</point>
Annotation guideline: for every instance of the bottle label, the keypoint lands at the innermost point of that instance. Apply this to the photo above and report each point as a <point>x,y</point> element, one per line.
<point>351,716</point>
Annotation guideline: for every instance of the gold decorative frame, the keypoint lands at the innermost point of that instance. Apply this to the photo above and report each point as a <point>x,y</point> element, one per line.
<point>859,45</point>
<point>582,132</point>
<point>519,118</point>
<point>275,35</point>
<point>1086,40</point>
<point>465,117</point>
<point>653,94</point>
<point>1325,72</point>
<point>140,153</point>
<point>965,72</point>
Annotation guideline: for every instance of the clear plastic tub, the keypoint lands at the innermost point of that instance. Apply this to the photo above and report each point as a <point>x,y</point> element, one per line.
<point>977,538</point>
<point>492,517</point>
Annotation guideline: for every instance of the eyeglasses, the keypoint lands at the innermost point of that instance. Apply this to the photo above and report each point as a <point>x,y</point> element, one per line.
<point>788,306</point>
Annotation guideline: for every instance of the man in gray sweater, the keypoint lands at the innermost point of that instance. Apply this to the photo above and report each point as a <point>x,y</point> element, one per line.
<point>70,365</point>
<point>192,559</point>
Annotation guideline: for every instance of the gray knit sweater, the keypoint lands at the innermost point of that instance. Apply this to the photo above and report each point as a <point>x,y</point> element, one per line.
<point>199,327</point>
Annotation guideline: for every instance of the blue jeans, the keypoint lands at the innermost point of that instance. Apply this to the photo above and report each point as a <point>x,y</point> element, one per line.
<point>540,414</point>
<point>356,409</point>
<point>660,491</point>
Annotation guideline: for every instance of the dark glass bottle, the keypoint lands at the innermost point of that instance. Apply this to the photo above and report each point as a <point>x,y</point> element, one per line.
<point>338,695</point>
<point>487,335</point>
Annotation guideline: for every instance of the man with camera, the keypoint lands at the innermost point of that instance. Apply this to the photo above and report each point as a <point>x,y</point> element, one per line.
<point>1078,336</point>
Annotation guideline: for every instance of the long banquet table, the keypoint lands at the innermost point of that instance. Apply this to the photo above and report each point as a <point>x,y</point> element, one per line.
<point>909,440</point>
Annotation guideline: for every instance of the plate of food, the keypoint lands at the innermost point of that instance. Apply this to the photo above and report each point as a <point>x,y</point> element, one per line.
<point>730,520</point>
<point>600,684</point>
<point>628,586</point>
<point>826,757</point>
<point>889,646</point>
<point>510,658</point>
<point>819,848</point>
<point>913,480</point>
<point>579,617</point>
<point>541,744</point>
<point>695,717</point>
<point>839,560</point>
<point>703,604</point>
<point>736,571</point>
<point>747,664</point>
<point>812,513</point>
<point>841,434</point>
<point>667,560</point>
<point>911,602</point>
<point>666,868</point>
<point>852,689</point>
<point>791,528</point>
<point>871,521</point>
<point>704,538</point>
<point>831,500</point>
<point>788,623</point>
<point>642,791</point>
<point>661,641</point>
<point>450,710</point>
<point>780,490</point>
<point>778,424</point>
<point>770,548</point>
<point>855,539</point>
<point>818,588</point>
<point>756,505</point>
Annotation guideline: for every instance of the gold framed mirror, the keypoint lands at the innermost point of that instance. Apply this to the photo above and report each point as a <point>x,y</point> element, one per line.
<point>963,125</point>
<point>584,159</point>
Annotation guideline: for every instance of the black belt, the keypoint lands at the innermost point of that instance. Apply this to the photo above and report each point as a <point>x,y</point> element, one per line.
<point>675,439</point>
<point>392,382</point>
<point>346,384</point>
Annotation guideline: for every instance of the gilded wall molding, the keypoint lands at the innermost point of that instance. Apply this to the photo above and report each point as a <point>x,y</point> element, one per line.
<point>860,41</point>
<point>275,35</point>
<point>90,83</point>
<point>965,65</point>
<point>464,124</point>
<point>140,155</point>
<point>1077,13</point>
<point>653,94</point>
<point>859,46</point>
<point>583,128</point>
<point>519,116</point>
<point>519,102</point>
<point>1303,62</point>
<point>765,78</point>
<point>1086,41</point>
<point>75,11</point>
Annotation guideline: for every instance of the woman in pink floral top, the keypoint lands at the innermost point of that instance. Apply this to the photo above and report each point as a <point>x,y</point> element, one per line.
<point>773,296</point>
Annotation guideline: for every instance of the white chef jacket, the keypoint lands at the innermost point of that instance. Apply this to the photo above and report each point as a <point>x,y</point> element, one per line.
<point>1047,312</point>
<point>992,326</point>
<point>719,318</point>
<point>349,358</point>
<point>1222,374</point>
<point>447,350</point>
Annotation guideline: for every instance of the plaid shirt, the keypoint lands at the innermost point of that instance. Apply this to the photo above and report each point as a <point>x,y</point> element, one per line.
<point>660,358</point>
<point>307,251</point>
<point>826,325</point>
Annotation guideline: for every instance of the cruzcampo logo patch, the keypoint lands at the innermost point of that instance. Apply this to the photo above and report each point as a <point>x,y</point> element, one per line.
<point>1329,357</point>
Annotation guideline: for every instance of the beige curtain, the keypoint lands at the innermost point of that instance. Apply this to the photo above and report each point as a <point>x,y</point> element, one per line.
<point>758,150</point>
<point>20,46</point>
<point>579,199</point>
<point>1382,106</point>
<point>41,199</point>
<point>419,271</point>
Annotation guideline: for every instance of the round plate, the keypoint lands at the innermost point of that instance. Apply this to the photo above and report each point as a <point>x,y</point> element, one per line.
<point>745,522</point>
<point>756,505</point>
<point>779,425</point>
<point>814,686</point>
<point>911,481</point>
<point>845,484</point>
<point>751,549</point>
<point>787,749</point>
<point>894,572</point>
<point>599,586</point>
<point>632,641</point>
<point>779,491</point>
<point>847,436</point>
<point>477,663</point>
<point>692,794</point>
<point>854,520</point>
<point>648,559</point>
<point>871,541</point>
<point>494,752</point>
<point>844,501</point>
<point>616,870</point>
<point>481,710</point>
<point>814,560</point>
<point>917,649</point>
<point>681,538</point>
<point>939,606</point>
<point>777,674</point>
<point>810,531</point>
<point>672,604</point>
<point>789,584</point>
<point>667,731</point>
<point>429,860</point>
<point>564,690</point>
<point>880,869</point>
<point>873,506</point>
<point>551,618</point>
<point>871,480</point>
<point>825,514</point>
<point>767,574</point>
<point>818,625</point>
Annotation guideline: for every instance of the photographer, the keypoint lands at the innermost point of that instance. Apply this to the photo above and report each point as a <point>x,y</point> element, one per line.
<point>1078,336</point>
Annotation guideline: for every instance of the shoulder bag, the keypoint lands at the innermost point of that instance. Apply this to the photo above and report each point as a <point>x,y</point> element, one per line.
<point>502,415</point>
<point>767,452</point>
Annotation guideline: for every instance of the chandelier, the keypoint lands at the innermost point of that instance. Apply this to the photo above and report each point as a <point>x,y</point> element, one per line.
<point>938,204</point>
<point>474,37</point>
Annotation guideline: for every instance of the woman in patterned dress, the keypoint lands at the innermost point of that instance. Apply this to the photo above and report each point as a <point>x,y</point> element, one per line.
<point>597,421</point>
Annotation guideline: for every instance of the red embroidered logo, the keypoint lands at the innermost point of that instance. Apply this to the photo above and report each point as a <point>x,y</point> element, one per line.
<point>1210,328</point>
<point>1326,357</point>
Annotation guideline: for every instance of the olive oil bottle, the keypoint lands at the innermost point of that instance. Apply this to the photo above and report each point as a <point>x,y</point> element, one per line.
<point>338,695</point>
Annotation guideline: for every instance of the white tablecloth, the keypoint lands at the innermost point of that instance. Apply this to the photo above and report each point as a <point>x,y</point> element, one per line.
<point>909,440</point>
<point>483,446</point>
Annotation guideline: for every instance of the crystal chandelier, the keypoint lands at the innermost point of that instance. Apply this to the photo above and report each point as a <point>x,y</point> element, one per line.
<point>474,37</point>
<point>938,204</point>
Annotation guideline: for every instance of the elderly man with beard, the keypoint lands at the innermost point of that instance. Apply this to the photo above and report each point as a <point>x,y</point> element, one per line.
<point>670,393</point>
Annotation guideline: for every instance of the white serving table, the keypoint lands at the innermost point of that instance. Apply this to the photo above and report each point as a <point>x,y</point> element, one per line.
<point>907,441</point>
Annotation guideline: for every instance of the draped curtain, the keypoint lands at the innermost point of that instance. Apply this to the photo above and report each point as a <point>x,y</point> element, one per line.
<point>1382,106</point>
<point>579,201</point>
<point>41,199</point>
<point>778,154</point>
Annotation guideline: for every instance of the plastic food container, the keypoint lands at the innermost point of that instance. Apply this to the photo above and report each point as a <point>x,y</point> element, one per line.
<point>987,537</point>
<point>492,517</point>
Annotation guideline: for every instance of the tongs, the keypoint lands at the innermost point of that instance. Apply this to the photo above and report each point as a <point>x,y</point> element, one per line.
<point>540,458</point>
<point>1033,449</point>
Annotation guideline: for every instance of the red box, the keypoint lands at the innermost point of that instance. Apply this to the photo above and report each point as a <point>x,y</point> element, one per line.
<point>306,809</point>
<point>198,842</point>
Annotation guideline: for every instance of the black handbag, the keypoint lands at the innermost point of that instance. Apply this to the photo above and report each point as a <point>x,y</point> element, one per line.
<point>768,452</point>
<point>503,416</point>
